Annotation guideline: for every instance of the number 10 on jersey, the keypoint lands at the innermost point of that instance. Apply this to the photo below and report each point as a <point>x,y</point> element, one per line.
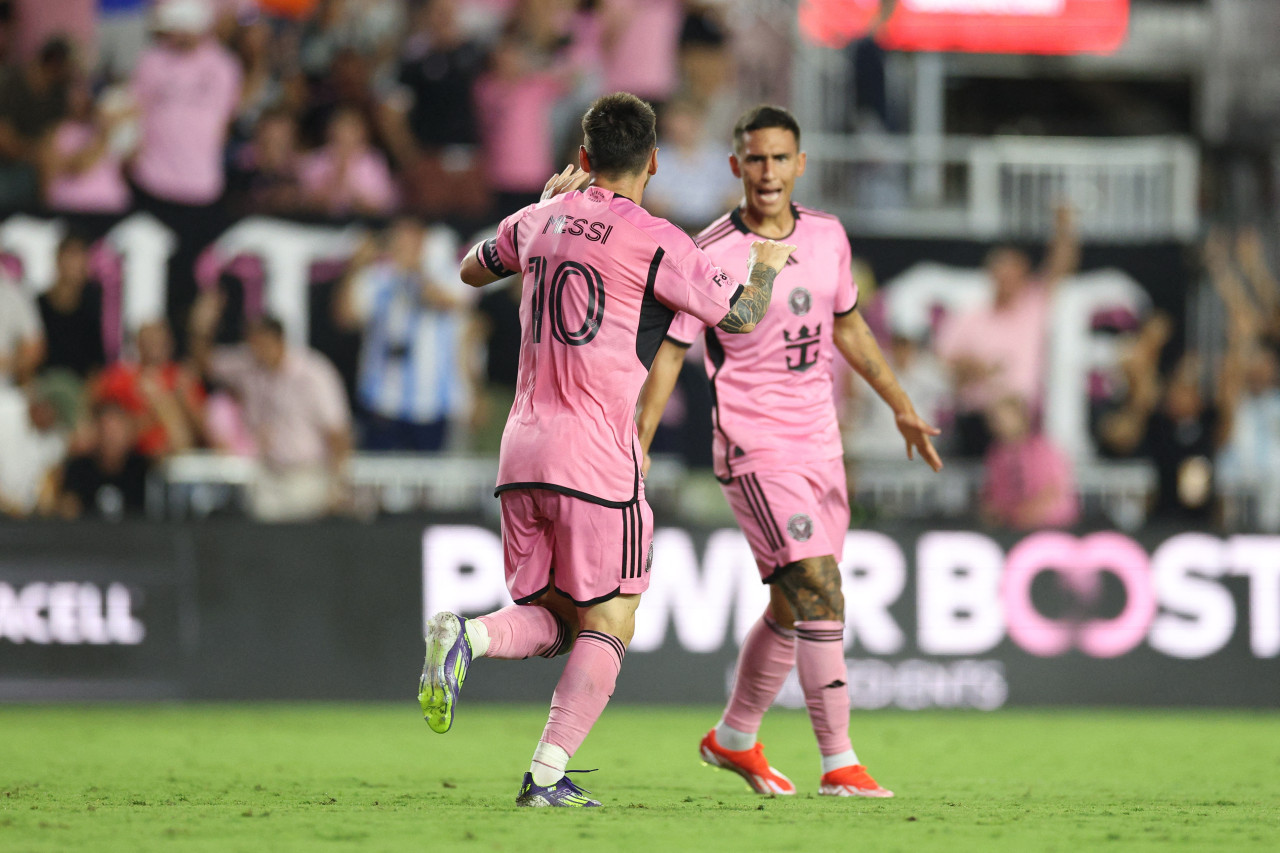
<point>566,276</point>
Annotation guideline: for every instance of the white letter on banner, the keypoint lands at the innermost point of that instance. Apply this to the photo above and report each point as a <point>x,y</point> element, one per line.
<point>697,599</point>
<point>1258,558</point>
<point>874,571</point>
<point>958,581</point>
<point>1197,614</point>
<point>462,570</point>
<point>145,246</point>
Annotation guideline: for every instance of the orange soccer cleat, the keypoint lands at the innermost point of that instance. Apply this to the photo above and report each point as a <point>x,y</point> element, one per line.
<point>851,781</point>
<point>750,764</point>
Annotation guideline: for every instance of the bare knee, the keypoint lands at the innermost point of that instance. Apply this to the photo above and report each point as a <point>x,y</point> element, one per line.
<point>812,589</point>
<point>615,617</point>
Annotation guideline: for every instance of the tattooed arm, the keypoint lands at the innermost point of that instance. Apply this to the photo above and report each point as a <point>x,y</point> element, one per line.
<point>767,257</point>
<point>858,346</point>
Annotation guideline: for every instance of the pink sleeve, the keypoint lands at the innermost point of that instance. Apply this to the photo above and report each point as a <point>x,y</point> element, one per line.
<point>376,186</point>
<point>330,398</point>
<point>500,254</point>
<point>142,86</point>
<point>950,343</point>
<point>685,329</point>
<point>688,281</point>
<point>846,287</point>
<point>232,86</point>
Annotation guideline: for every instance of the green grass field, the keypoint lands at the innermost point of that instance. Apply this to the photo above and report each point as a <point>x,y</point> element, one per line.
<point>374,777</point>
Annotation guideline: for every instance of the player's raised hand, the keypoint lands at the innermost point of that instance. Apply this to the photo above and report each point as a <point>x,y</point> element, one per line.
<point>771,253</point>
<point>570,179</point>
<point>916,431</point>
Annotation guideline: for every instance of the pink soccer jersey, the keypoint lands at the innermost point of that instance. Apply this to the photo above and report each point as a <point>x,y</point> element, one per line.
<point>602,281</point>
<point>772,389</point>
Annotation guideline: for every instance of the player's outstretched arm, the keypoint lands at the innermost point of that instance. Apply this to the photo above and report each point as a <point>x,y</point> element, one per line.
<point>767,257</point>
<point>656,391</point>
<point>855,342</point>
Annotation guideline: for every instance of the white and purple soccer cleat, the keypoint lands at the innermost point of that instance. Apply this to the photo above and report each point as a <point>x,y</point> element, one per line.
<point>448,658</point>
<point>563,794</point>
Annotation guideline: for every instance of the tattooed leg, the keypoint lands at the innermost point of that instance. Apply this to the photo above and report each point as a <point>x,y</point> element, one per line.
<point>812,588</point>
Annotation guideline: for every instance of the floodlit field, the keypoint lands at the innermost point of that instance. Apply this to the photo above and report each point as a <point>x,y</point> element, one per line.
<point>374,777</point>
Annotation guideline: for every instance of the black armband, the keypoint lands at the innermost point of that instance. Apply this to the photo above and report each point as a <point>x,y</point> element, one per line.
<point>487,255</point>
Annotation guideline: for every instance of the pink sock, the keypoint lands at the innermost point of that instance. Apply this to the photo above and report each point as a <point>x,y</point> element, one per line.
<point>522,631</point>
<point>584,689</point>
<point>820,661</point>
<point>767,655</point>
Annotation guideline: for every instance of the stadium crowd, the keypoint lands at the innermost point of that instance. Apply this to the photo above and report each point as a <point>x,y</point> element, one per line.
<point>401,113</point>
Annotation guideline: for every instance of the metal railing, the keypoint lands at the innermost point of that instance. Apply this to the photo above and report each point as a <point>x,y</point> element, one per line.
<point>1123,190</point>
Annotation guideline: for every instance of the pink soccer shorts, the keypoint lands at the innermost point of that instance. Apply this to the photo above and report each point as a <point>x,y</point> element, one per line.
<point>791,513</point>
<point>585,551</point>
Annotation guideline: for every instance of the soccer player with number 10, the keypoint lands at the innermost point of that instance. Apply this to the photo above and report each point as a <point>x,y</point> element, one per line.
<point>602,281</point>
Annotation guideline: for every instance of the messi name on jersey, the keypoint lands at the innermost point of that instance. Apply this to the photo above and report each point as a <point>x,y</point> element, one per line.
<point>593,231</point>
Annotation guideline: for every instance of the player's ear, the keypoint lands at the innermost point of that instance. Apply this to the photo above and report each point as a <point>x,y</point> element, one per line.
<point>800,161</point>
<point>735,166</point>
<point>653,162</point>
<point>584,162</point>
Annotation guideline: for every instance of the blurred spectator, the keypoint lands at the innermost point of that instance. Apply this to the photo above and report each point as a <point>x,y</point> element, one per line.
<point>263,89</point>
<point>1121,422</point>
<point>1183,437</point>
<point>33,99</point>
<point>22,343</point>
<point>514,101</point>
<point>641,46</point>
<point>872,431</point>
<point>347,176</point>
<point>437,75</point>
<point>293,403</point>
<point>187,89</point>
<point>40,21</point>
<point>163,396</point>
<point>415,375</point>
<point>32,446</point>
<point>265,173</point>
<point>999,349</point>
<point>122,36</point>
<point>707,68</point>
<point>71,311</point>
<point>693,185</point>
<point>371,28</point>
<point>497,327</point>
<point>109,479</point>
<point>82,161</point>
<point>1249,386</point>
<point>1028,482</point>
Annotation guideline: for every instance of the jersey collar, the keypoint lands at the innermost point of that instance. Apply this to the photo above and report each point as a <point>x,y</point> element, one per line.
<point>735,216</point>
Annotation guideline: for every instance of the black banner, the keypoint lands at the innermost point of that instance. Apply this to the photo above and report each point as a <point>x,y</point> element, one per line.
<point>935,618</point>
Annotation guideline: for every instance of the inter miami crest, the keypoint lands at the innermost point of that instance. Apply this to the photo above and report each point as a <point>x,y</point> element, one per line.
<point>799,301</point>
<point>800,526</point>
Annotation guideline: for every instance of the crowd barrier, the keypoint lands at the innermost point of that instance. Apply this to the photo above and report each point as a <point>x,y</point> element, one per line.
<point>936,617</point>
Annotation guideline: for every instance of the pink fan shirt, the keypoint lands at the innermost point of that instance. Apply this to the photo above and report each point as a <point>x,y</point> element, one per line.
<point>99,189</point>
<point>516,131</point>
<point>774,401</point>
<point>1018,472</point>
<point>1013,338</point>
<point>366,184</point>
<point>602,281</point>
<point>187,101</point>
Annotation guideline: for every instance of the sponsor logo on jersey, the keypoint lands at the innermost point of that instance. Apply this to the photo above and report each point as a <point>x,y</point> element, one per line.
<point>802,348</point>
<point>800,301</point>
<point>800,526</point>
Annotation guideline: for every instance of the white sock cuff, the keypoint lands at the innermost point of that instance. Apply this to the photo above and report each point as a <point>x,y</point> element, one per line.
<point>848,758</point>
<point>478,634</point>
<point>733,739</point>
<point>549,762</point>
